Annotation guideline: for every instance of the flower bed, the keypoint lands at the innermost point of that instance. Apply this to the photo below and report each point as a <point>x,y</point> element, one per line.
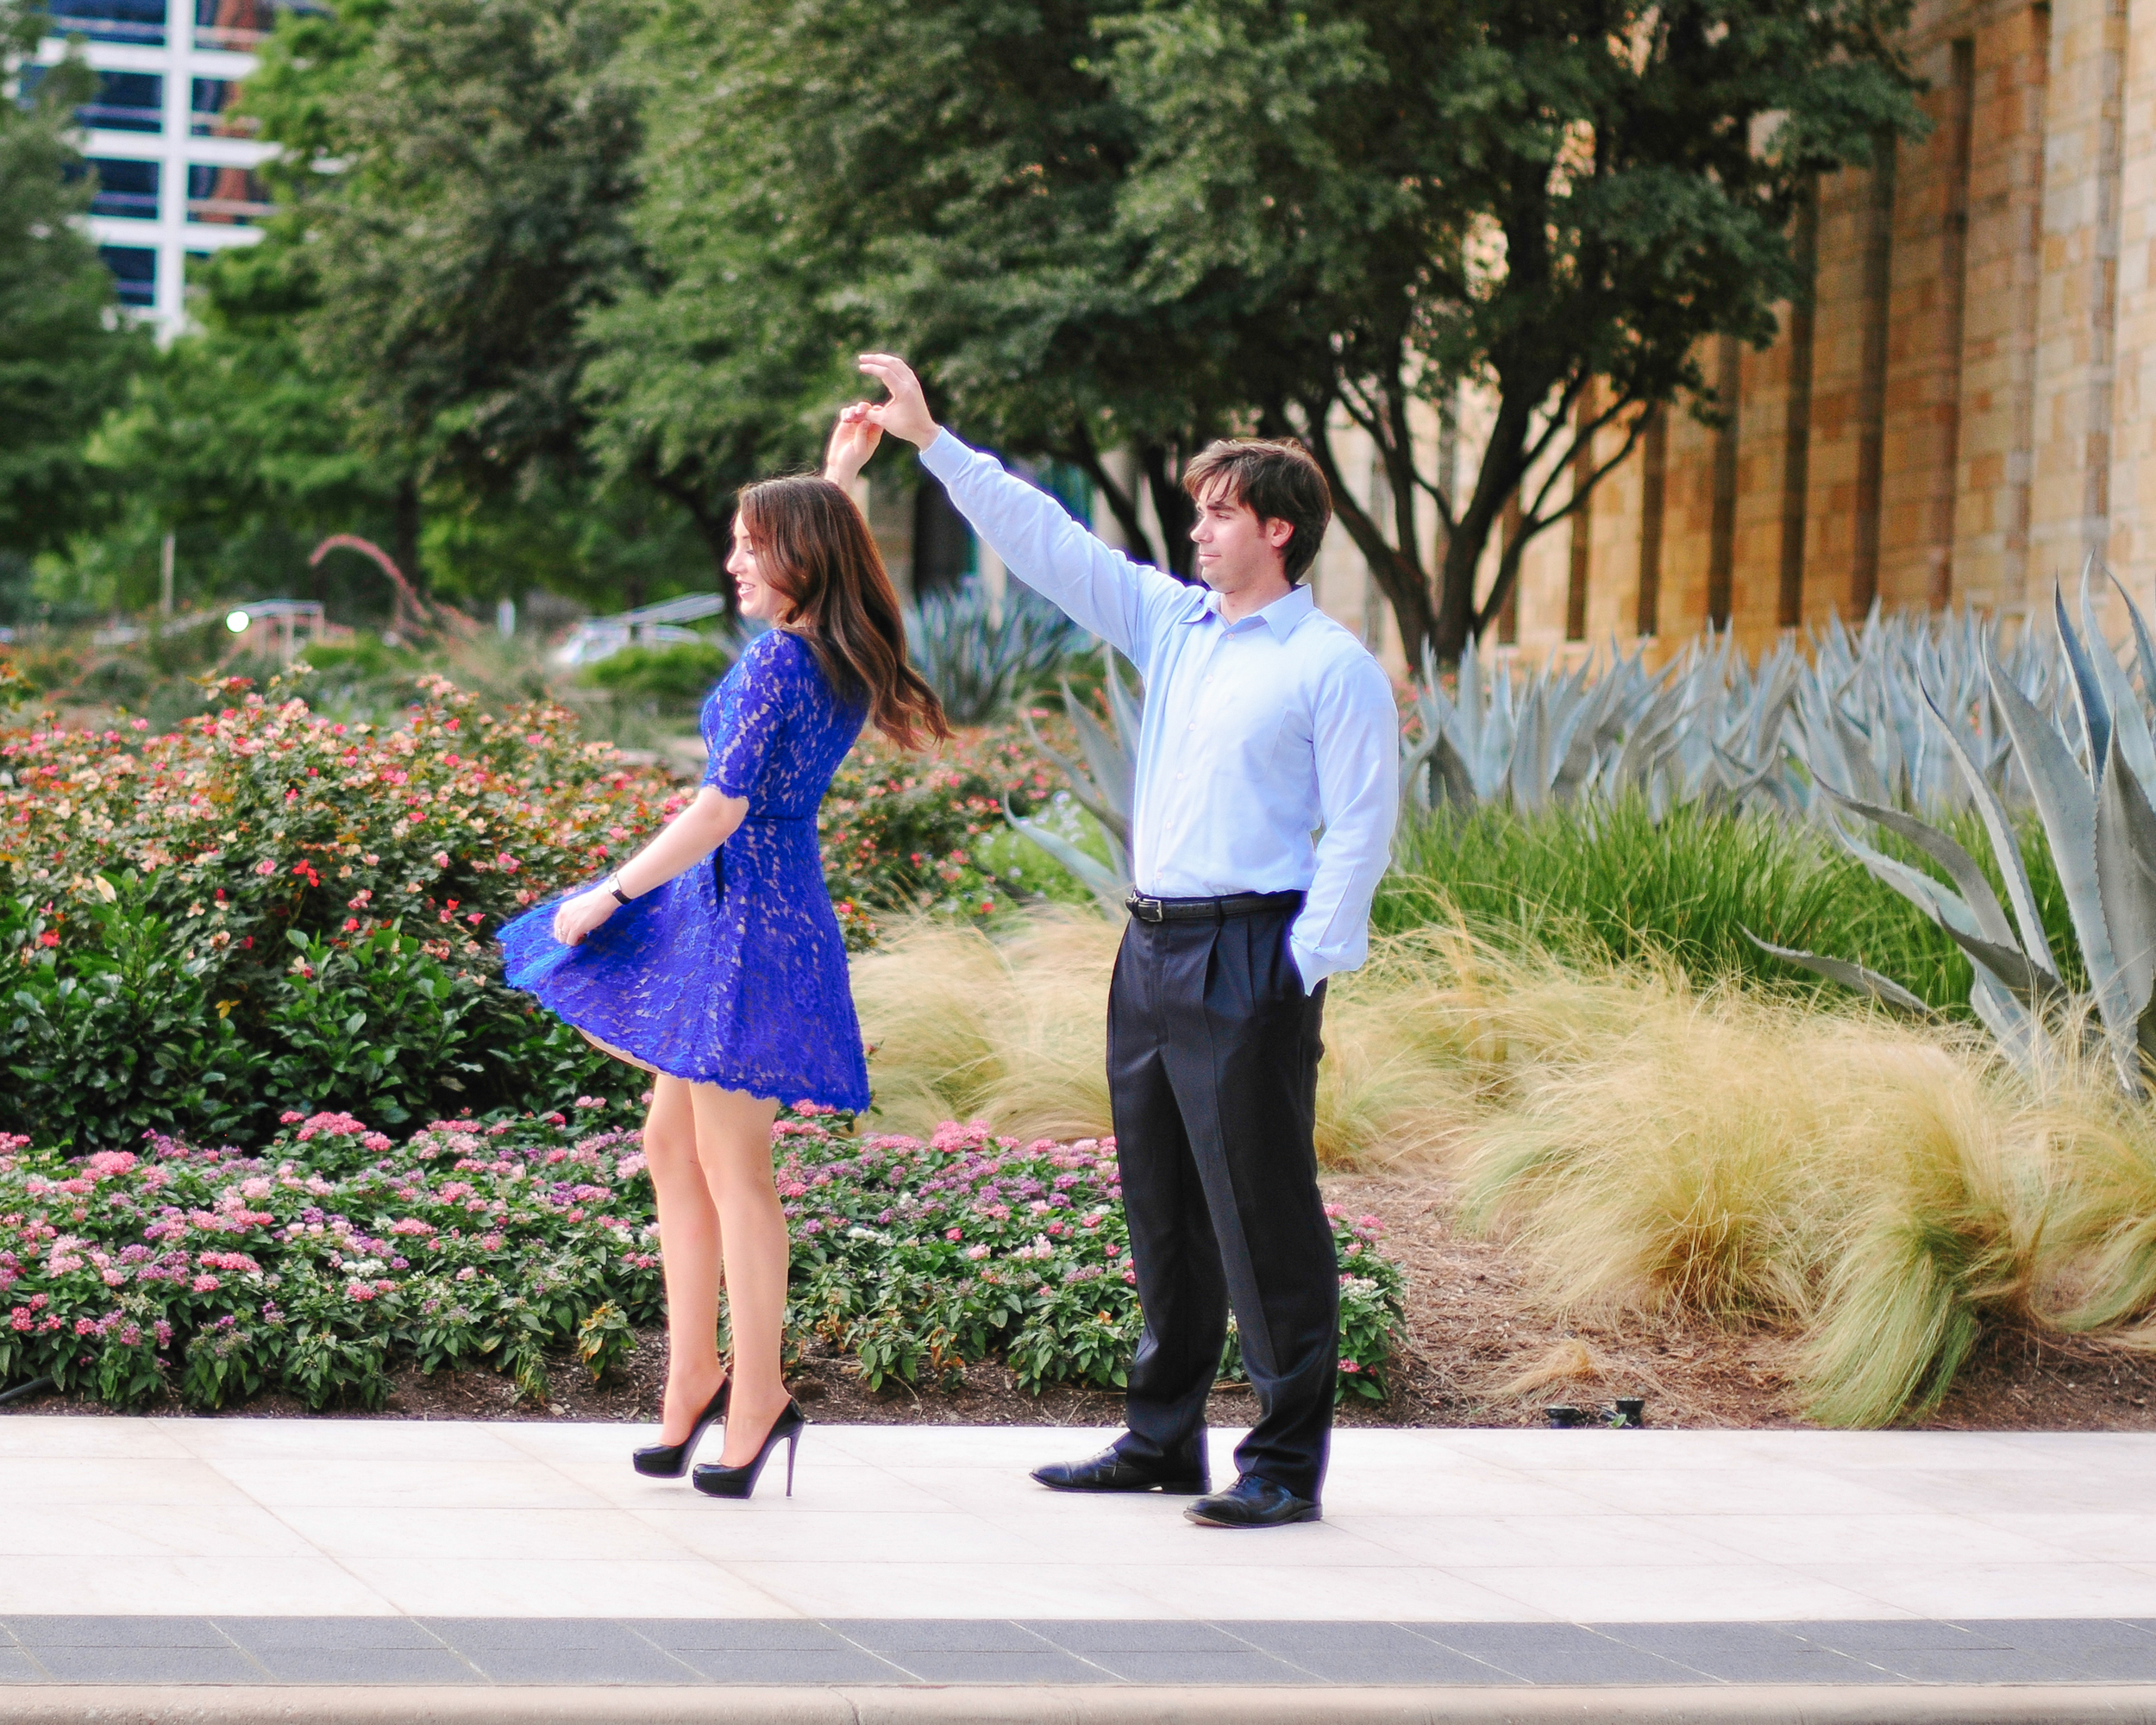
<point>902,831</point>
<point>264,910</point>
<point>338,1255</point>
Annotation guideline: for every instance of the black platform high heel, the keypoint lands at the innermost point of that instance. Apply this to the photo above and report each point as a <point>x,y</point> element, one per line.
<point>716,1479</point>
<point>671,1461</point>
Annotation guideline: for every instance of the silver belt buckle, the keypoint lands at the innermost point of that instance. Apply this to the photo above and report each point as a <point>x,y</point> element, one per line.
<point>1146,909</point>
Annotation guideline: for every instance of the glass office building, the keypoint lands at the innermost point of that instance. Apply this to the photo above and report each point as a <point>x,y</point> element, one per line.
<point>175,167</point>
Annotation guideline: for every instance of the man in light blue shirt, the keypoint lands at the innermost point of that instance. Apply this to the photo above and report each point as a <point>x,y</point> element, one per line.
<point>1265,722</point>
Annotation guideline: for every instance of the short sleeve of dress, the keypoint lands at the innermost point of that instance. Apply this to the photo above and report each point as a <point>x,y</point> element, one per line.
<point>752,715</point>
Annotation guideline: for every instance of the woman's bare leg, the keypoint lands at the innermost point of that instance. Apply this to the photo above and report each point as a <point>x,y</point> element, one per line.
<point>689,1252</point>
<point>733,1139</point>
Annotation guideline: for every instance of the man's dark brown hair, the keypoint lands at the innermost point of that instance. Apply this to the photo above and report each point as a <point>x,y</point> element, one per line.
<point>1278,481</point>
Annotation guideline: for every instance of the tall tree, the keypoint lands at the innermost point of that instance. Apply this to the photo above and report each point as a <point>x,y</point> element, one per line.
<point>233,440</point>
<point>66,348</point>
<point>940,176</point>
<point>461,173</point>
<point>1521,196</point>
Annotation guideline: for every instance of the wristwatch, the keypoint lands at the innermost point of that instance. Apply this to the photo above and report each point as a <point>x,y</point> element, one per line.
<point>614,886</point>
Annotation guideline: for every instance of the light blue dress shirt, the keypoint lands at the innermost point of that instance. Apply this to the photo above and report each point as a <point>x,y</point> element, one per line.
<point>1258,733</point>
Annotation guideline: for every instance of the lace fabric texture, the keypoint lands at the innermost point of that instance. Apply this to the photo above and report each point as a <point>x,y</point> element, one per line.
<point>733,973</point>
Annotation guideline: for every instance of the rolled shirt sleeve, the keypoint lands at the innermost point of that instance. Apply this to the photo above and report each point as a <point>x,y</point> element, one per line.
<point>1356,738</point>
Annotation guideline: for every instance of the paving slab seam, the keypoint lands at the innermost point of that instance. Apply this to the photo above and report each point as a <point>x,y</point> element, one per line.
<point>1031,1704</point>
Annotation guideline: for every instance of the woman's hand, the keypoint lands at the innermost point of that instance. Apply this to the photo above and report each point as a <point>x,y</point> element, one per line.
<point>575,917</point>
<point>854,439</point>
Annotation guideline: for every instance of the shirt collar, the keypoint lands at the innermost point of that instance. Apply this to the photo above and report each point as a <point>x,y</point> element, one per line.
<point>1280,616</point>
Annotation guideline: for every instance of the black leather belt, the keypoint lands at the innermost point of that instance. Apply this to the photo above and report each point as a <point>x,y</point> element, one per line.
<point>1209,910</point>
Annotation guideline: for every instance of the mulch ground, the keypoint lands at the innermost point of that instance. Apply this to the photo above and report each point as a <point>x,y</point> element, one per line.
<point>1476,1341</point>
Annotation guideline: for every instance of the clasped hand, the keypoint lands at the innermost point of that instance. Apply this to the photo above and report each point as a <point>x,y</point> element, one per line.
<point>862,423</point>
<point>575,917</point>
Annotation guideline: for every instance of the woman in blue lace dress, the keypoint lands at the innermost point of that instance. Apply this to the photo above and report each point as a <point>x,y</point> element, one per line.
<point>712,957</point>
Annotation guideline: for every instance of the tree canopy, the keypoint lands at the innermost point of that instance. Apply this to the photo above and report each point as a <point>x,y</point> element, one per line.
<point>571,263</point>
<point>65,351</point>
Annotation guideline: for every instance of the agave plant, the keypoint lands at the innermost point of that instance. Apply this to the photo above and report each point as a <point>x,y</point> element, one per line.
<point>1105,786</point>
<point>1703,726</point>
<point>977,657</point>
<point>2087,774</point>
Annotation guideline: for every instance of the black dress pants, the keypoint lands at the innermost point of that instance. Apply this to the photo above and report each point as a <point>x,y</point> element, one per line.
<point>1213,1074</point>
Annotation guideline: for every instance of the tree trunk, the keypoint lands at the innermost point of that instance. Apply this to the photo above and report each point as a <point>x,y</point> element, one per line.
<point>714,526</point>
<point>404,534</point>
<point>1122,504</point>
<point>1172,504</point>
<point>1496,481</point>
<point>1399,573</point>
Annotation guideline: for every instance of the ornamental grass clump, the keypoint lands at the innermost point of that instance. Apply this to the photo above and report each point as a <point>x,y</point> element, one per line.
<point>524,1244</point>
<point>1884,1190</point>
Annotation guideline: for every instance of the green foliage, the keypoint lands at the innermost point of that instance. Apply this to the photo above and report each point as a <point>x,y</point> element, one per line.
<point>674,677</point>
<point>478,217</point>
<point>902,832</point>
<point>65,350</point>
<point>1393,198</point>
<point>1603,883</point>
<point>336,1257</point>
<point>265,907</point>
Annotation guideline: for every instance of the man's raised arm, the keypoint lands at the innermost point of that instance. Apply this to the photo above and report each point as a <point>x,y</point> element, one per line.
<point>1122,602</point>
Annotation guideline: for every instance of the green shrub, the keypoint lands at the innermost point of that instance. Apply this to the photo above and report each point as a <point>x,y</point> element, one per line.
<point>1598,883</point>
<point>266,909</point>
<point>676,677</point>
<point>336,1257</point>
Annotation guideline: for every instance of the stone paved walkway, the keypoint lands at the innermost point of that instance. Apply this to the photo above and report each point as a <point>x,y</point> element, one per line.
<point>240,1552</point>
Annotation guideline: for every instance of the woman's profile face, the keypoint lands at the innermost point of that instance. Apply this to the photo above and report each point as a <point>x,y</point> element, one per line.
<point>759,598</point>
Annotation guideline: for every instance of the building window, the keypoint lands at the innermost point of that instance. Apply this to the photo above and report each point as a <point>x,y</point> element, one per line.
<point>124,188</point>
<point>241,23</point>
<point>126,102</point>
<point>139,21</point>
<point>134,271</point>
<point>220,193</point>
<point>211,113</point>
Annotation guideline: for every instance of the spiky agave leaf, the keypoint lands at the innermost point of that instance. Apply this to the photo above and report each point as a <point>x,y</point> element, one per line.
<point>2006,845</point>
<point>1849,975</point>
<point>2126,876</point>
<point>1992,930</point>
<point>2066,804</point>
<point>1111,885</point>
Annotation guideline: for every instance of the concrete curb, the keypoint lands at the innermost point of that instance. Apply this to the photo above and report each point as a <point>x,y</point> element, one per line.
<point>1063,1704</point>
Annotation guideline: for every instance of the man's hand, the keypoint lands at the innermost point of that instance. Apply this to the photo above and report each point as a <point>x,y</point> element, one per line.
<point>905,414</point>
<point>854,439</point>
<point>575,917</point>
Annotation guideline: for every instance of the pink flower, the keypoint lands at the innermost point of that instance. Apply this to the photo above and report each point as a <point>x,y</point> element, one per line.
<point>266,867</point>
<point>954,1233</point>
<point>976,1252</point>
<point>1349,1366</point>
<point>359,1290</point>
<point>466,1273</point>
<point>205,1284</point>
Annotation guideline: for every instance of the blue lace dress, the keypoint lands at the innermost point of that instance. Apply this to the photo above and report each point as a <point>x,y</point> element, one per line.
<point>733,973</point>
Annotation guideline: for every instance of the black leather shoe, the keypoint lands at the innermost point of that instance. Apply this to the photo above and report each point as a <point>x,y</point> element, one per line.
<point>1252,1502</point>
<point>1109,1471</point>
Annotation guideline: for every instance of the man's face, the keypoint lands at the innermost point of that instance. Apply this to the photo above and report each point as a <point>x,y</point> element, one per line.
<point>1237,550</point>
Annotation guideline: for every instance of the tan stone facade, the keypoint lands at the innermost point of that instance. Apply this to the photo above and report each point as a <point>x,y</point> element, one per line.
<point>1960,415</point>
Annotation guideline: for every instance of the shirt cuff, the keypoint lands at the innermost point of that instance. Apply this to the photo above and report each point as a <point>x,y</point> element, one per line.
<point>946,456</point>
<point>1309,966</point>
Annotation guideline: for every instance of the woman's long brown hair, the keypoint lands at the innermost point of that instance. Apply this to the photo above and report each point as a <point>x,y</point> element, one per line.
<point>813,546</point>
